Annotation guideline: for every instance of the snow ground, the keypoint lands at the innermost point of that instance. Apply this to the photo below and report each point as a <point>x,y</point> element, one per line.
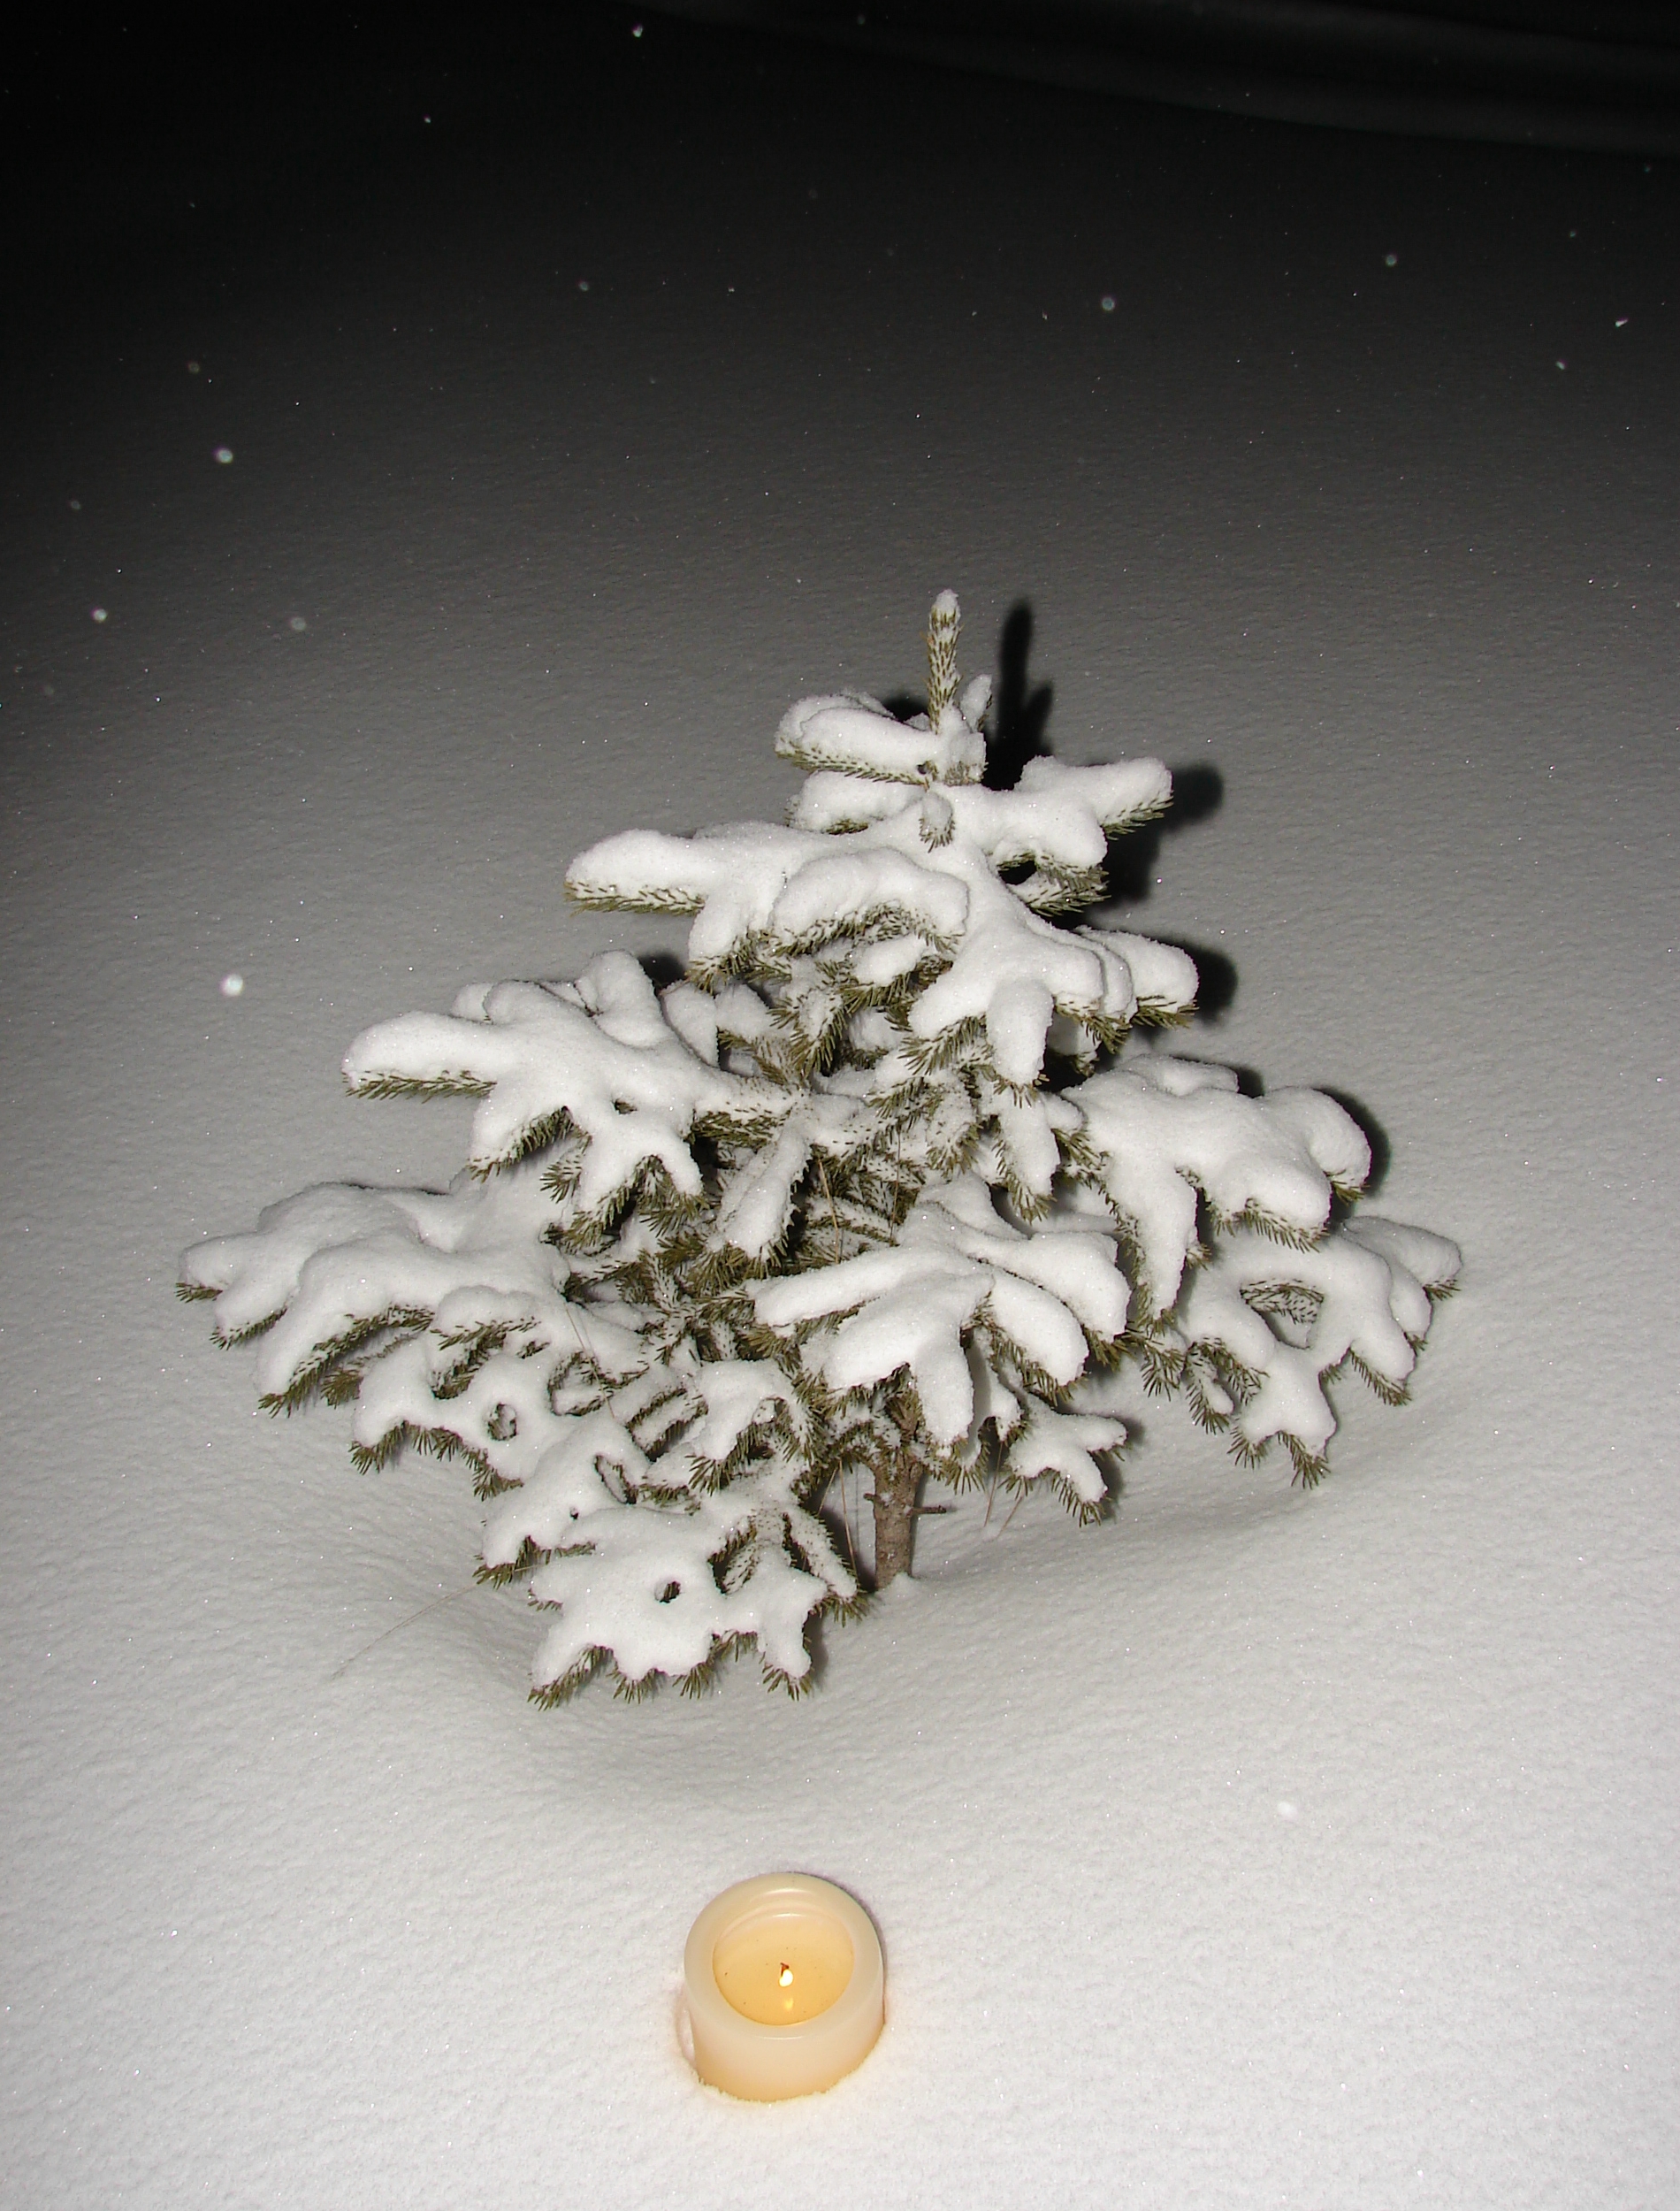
<point>1254,1849</point>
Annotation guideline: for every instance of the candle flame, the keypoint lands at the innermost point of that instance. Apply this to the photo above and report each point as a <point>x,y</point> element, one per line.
<point>786,1977</point>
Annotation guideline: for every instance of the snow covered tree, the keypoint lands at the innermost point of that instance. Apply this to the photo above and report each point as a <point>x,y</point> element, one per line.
<point>888,1185</point>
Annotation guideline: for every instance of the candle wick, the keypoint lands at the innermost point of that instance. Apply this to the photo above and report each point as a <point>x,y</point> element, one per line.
<point>785,1975</point>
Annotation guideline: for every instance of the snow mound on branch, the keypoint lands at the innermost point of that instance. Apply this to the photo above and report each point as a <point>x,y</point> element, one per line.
<point>1064,1446</point>
<point>859,737</point>
<point>756,1201</point>
<point>736,1395</point>
<point>923,864</point>
<point>334,1264</point>
<point>1284,1320</point>
<point>569,1483</point>
<point>1055,816</point>
<point>1170,1132</point>
<point>1014,972</point>
<point>1164,977</point>
<point>646,1589</point>
<point>909,1306</point>
<point>601,1057</point>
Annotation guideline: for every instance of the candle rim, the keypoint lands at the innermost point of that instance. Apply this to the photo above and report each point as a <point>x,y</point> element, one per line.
<point>748,1898</point>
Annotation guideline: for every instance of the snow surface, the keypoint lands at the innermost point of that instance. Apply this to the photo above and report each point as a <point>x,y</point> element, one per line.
<point>1254,1847</point>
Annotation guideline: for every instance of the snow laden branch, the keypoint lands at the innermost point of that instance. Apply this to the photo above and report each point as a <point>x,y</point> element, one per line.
<point>882,1188</point>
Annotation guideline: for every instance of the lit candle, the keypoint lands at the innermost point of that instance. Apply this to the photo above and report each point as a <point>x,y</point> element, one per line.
<point>785,1987</point>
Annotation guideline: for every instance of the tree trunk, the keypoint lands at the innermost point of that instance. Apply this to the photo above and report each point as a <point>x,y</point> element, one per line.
<point>895,1518</point>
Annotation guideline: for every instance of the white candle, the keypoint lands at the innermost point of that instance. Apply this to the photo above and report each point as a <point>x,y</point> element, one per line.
<point>785,1987</point>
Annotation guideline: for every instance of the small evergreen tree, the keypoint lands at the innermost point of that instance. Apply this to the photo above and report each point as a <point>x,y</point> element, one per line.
<point>885,1184</point>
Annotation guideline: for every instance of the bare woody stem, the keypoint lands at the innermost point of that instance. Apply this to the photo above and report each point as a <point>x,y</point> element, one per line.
<point>895,1509</point>
<point>897,1481</point>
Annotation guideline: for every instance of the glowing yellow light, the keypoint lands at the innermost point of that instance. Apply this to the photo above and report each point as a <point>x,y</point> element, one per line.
<point>781,1968</point>
<point>783,1982</point>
